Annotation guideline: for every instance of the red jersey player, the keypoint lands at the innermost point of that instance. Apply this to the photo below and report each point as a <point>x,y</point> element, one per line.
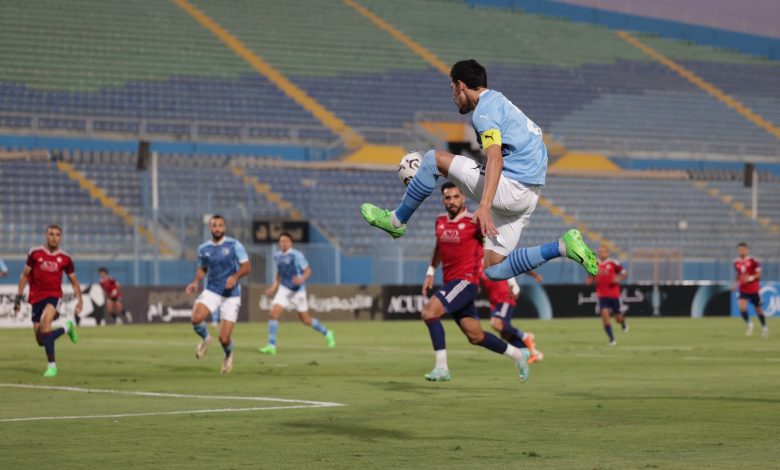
<point>503,298</point>
<point>608,280</point>
<point>114,306</point>
<point>45,265</point>
<point>459,249</point>
<point>748,277</point>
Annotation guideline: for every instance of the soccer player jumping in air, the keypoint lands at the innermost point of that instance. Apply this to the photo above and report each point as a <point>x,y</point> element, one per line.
<point>507,187</point>
<point>45,265</point>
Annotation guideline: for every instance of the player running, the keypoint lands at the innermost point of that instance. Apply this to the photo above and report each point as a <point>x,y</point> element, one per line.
<point>611,274</point>
<point>507,187</point>
<point>503,298</point>
<point>43,271</point>
<point>748,279</point>
<point>459,250</point>
<point>289,286</point>
<point>225,261</point>
<point>114,306</point>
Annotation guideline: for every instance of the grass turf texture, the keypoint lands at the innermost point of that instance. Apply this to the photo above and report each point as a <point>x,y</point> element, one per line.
<point>675,393</point>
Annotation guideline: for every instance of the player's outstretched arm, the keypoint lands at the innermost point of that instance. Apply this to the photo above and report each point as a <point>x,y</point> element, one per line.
<point>435,260</point>
<point>192,287</point>
<point>23,279</point>
<point>483,215</point>
<point>77,291</point>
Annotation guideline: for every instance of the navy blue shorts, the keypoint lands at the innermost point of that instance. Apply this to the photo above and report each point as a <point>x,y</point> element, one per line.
<point>37,308</point>
<point>458,299</point>
<point>612,303</point>
<point>503,311</point>
<point>754,299</point>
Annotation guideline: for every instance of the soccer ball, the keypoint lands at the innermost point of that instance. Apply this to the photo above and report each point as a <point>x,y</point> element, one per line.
<point>408,166</point>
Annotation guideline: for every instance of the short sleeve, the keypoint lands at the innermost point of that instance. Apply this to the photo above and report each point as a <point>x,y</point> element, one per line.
<point>30,260</point>
<point>202,259</point>
<point>241,253</point>
<point>300,260</point>
<point>69,267</point>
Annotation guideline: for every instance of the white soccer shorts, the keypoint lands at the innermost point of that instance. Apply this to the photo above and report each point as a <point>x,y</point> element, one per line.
<point>512,206</point>
<point>289,298</point>
<point>228,306</point>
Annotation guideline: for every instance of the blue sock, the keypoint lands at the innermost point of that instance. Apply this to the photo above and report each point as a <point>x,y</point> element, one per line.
<point>493,343</point>
<point>745,317</point>
<point>200,329</point>
<point>228,349</point>
<point>512,335</point>
<point>318,326</point>
<point>48,345</point>
<point>523,260</point>
<point>436,330</point>
<point>57,333</point>
<point>419,188</point>
<point>762,319</point>
<point>608,329</point>
<point>273,327</point>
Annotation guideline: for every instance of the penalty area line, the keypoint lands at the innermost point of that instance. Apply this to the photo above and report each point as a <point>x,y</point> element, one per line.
<point>284,403</point>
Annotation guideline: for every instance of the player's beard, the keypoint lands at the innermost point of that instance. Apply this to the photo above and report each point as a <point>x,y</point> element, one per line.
<point>217,236</point>
<point>453,211</point>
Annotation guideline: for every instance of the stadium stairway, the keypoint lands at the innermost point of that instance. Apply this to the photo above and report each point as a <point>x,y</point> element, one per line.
<point>735,204</point>
<point>108,202</point>
<point>702,84</point>
<point>265,190</point>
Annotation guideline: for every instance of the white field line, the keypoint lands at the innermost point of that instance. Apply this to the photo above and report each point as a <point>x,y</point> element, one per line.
<point>285,404</point>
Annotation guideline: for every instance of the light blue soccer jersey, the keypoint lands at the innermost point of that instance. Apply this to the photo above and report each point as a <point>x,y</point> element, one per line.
<point>3,267</point>
<point>290,263</point>
<point>522,146</point>
<point>221,260</point>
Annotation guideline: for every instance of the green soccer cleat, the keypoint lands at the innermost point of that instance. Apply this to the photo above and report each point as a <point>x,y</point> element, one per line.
<point>522,366</point>
<point>269,349</point>
<point>51,371</point>
<point>438,375</point>
<point>380,218</point>
<point>74,337</point>
<point>330,339</point>
<point>577,250</point>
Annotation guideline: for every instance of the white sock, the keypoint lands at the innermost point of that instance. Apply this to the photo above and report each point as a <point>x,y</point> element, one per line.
<point>441,359</point>
<point>562,248</point>
<point>53,364</point>
<point>394,220</point>
<point>514,353</point>
<point>65,327</point>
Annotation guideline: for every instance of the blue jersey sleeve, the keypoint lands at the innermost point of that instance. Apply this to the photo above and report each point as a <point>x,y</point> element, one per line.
<point>3,267</point>
<point>202,258</point>
<point>300,261</point>
<point>241,254</point>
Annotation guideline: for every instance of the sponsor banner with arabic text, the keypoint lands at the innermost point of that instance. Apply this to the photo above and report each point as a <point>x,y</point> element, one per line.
<point>327,302</point>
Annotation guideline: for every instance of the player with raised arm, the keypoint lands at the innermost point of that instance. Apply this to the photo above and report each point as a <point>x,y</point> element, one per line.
<point>43,271</point>
<point>114,306</point>
<point>225,261</point>
<point>748,282</point>
<point>611,274</point>
<point>503,298</point>
<point>290,287</point>
<point>507,187</point>
<point>459,250</point>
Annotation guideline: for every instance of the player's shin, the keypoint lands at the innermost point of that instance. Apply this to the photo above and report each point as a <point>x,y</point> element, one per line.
<point>523,260</point>
<point>421,186</point>
<point>436,330</point>
<point>200,329</point>
<point>273,328</point>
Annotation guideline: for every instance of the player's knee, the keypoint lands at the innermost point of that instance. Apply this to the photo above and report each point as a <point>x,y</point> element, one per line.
<point>224,339</point>
<point>475,337</point>
<point>497,324</point>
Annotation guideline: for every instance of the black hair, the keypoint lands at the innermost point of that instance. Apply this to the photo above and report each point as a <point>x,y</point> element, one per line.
<point>742,244</point>
<point>55,227</point>
<point>286,234</point>
<point>102,269</point>
<point>470,72</point>
<point>447,185</point>
<point>216,216</point>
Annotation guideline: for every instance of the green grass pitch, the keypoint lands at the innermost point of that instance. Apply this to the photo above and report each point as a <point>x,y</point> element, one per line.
<point>674,393</point>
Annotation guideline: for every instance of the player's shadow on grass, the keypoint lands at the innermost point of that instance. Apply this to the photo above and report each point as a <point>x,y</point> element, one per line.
<point>349,429</point>
<point>594,396</point>
<point>430,388</point>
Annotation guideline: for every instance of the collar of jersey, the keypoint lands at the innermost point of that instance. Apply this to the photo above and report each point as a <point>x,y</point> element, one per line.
<point>211,240</point>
